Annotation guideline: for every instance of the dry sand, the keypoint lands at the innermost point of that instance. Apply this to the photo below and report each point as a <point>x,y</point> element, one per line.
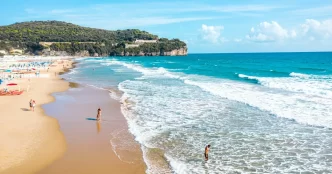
<point>30,140</point>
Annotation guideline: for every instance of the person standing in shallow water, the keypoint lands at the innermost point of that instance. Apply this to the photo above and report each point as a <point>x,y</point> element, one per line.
<point>98,114</point>
<point>206,153</point>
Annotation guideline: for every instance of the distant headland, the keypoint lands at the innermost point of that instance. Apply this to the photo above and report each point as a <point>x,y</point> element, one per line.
<point>56,38</point>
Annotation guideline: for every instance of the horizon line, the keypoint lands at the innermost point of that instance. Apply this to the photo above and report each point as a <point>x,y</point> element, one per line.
<point>265,52</point>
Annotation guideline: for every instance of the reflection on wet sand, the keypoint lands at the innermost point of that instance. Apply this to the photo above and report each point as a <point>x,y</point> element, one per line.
<point>98,126</point>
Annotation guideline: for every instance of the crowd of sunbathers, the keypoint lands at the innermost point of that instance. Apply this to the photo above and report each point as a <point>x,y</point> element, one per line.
<point>6,92</point>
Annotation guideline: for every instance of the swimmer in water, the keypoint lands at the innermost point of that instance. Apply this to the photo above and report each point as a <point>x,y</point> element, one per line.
<point>206,153</point>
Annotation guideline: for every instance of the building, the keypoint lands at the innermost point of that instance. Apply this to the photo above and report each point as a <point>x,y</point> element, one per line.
<point>16,52</point>
<point>138,41</point>
<point>132,45</point>
<point>4,52</point>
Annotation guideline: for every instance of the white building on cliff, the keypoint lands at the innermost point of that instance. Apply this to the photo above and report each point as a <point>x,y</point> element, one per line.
<point>139,42</point>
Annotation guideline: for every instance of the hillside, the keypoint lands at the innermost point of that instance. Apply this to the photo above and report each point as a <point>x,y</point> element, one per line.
<point>56,31</point>
<point>56,37</point>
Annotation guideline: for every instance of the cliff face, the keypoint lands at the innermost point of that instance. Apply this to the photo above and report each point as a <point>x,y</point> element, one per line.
<point>48,52</point>
<point>85,53</point>
<point>176,52</point>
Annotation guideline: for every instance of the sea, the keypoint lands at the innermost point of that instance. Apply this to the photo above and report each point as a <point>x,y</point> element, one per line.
<point>260,112</point>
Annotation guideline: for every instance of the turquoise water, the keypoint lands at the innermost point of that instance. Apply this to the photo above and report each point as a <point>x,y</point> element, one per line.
<point>261,112</point>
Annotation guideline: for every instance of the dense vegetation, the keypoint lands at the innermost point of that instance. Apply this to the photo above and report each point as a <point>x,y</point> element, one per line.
<point>27,35</point>
<point>55,31</point>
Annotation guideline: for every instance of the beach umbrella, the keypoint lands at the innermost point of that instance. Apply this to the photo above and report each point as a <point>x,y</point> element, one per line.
<point>11,84</point>
<point>14,84</point>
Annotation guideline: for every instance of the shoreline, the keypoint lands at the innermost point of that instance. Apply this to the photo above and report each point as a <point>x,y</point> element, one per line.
<point>47,145</point>
<point>118,151</point>
<point>31,140</point>
<point>93,146</point>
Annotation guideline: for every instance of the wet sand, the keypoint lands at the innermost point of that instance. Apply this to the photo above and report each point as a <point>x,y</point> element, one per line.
<point>93,147</point>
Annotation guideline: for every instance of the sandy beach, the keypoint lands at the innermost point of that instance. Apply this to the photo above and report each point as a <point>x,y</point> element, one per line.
<point>30,140</point>
<point>56,139</point>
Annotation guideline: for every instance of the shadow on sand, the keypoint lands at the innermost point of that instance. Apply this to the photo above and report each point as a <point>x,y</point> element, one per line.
<point>94,119</point>
<point>25,109</point>
<point>91,119</point>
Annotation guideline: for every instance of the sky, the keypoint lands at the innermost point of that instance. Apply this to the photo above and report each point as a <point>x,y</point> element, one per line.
<point>214,26</point>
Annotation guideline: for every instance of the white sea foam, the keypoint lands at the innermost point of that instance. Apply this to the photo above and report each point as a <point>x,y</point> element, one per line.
<point>146,98</point>
<point>181,119</point>
<point>72,71</point>
<point>96,87</point>
<point>181,113</point>
<point>114,96</point>
<point>308,84</point>
<point>247,77</point>
<point>293,74</point>
<point>94,60</point>
<point>312,110</point>
<point>145,71</point>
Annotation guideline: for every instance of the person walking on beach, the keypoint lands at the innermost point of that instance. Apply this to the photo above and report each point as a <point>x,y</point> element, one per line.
<point>33,106</point>
<point>30,104</point>
<point>206,153</point>
<point>98,114</point>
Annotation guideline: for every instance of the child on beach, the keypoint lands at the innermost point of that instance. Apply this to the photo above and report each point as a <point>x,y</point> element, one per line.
<point>98,114</point>
<point>33,106</point>
<point>30,104</point>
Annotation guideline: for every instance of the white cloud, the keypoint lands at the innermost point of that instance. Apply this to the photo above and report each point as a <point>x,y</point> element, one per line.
<point>317,29</point>
<point>237,40</point>
<point>212,33</point>
<point>269,32</point>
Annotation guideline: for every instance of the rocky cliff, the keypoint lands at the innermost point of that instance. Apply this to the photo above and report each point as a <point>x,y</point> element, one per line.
<point>176,52</point>
<point>85,53</point>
